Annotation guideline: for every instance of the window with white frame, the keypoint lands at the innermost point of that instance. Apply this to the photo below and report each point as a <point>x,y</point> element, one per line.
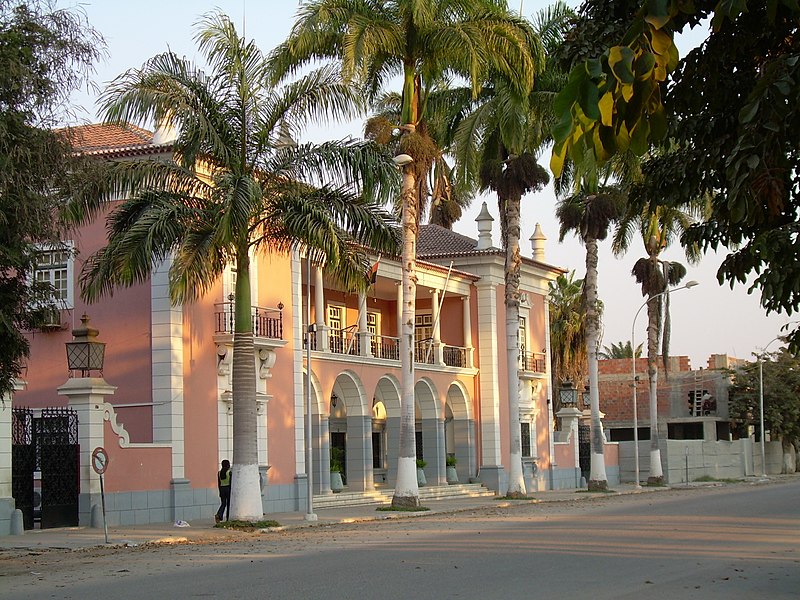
<point>423,326</point>
<point>54,267</point>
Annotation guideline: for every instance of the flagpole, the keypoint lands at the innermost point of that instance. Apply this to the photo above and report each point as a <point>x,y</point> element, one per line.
<point>439,312</point>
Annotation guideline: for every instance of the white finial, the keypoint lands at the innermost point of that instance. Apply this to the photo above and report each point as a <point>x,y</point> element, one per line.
<point>537,243</point>
<point>484,221</point>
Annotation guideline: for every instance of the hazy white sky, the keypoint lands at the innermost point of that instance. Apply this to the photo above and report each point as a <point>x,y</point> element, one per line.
<point>709,319</point>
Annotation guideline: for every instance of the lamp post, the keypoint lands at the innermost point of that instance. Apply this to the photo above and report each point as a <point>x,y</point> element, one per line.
<point>688,285</point>
<point>761,406</point>
<point>310,514</point>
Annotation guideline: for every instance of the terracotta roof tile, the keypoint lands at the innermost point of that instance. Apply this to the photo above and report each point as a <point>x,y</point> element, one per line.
<point>96,137</point>
<point>436,240</point>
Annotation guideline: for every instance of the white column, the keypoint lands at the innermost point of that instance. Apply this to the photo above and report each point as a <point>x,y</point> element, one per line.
<point>87,395</point>
<point>438,358</point>
<point>491,463</point>
<point>319,311</point>
<point>5,446</point>
<point>167,361</point>
<point>468,329</point>
<point>363,334</point>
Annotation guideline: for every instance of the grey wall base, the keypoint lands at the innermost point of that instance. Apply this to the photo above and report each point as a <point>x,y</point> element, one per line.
<point>6,508</point>
<point>566,478</point>
<point>284,498</point>
<point>154,506</point>
<point>495,478</point>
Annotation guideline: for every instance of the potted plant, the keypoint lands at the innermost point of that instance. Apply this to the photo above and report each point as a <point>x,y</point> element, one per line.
<point>421,481</point>
<point>337,468</point>
<point>452,475</point>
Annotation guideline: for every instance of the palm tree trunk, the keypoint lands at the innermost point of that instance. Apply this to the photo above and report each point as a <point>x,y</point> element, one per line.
<point>245,484</point>
<point>406,490</point>
<point>653,316</point>
<point>597,476</point>
<point>516,479</point>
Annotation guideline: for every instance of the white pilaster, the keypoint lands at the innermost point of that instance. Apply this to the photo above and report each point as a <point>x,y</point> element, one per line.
<point>489,383</point>
<point>298,353</point>
<point>87,395</point>
<point>319,311</point>
<point>167,361</point>
<point>468,330</point>
<point>6,442</point>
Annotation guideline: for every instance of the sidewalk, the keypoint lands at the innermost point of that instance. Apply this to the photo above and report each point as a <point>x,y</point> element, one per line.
<point>203,530</point>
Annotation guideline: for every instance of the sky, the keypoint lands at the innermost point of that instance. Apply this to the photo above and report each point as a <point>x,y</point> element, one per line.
<point>708,319</point>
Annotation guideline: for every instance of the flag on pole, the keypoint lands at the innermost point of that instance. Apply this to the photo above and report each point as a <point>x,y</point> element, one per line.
<point>373,272</point>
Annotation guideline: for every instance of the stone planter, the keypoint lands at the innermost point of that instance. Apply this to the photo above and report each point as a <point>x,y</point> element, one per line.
<point>452,475</point>
<point>337,485</point>
<point>421,481</point>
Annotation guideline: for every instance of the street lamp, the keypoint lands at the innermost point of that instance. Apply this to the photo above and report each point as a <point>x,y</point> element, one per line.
<point>761,405</point>
<point>688,285</point>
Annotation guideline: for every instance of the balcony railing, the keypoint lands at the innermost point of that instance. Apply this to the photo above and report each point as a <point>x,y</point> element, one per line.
<point>387,347</point>
<point>455,356</point>
<point>344,341</point>
<point>423,351</point>
<point>266,322</point>
<point>532,361</point>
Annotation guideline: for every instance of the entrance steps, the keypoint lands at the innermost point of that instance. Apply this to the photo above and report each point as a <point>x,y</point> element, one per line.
<point>384,496</point>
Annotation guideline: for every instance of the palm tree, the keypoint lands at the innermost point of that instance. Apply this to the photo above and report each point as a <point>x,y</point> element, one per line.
<point>498,141</point>
<point>589,215</point>
<point>440,195</point>
<point>426,42</point>
<point>567,332</point>
<point>658,226</point>
<point>619,350</point>
<point>234,187</point>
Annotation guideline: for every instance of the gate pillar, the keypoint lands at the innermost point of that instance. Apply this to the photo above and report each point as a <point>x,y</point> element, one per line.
<point>6,498</point>
<point>86,396</point>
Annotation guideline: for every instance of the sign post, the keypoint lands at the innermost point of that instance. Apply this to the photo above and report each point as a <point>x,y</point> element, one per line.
<point>100,464</point>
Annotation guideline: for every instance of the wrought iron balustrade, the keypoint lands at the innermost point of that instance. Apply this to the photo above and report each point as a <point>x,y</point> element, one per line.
<point>532,361</point>
<point>387,347</point>
<point>455,356</point>
<point>267,322</point>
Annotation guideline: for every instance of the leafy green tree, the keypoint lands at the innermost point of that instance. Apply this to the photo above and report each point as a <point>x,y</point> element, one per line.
<point>732,139</point>
<point>781,379</point>
<point>235,186</point>
<point>589,216</point>
<point>426,42</point>
<point>619,350</point>
<point>45,55</point>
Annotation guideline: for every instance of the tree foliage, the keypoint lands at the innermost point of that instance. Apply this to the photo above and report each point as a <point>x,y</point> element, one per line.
<point>726,116</point>
<point>781,395</point>
<point>619,350</point>
<point>44,56</point>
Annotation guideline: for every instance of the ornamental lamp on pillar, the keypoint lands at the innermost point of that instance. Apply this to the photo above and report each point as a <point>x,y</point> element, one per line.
<point>568,395</point>
<point>84,352</point>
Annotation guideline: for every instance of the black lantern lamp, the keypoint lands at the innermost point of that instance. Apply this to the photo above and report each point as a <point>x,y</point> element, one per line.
<point>586,397</point>
<point>568,395</point>
<point>84,352</point>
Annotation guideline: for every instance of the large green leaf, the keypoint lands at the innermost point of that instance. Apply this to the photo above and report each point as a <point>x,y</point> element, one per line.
<point>620,60</point>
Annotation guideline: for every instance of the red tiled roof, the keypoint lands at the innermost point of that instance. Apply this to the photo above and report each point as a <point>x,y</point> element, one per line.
<point>100,137</point>
<point>435,240</point>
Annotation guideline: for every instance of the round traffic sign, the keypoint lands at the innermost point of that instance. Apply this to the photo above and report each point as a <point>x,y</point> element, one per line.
<point>99,460</point>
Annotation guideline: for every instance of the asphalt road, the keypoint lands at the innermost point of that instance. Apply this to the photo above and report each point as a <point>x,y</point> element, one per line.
<point>736,541</point>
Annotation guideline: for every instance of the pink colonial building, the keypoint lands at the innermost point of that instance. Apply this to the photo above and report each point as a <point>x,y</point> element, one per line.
<point>162,407</point>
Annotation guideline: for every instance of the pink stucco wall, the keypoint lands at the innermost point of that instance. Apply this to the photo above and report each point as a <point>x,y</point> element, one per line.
<point>135,469</point>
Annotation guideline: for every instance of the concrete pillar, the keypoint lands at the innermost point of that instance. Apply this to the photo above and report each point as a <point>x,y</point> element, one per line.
<point>322,454</point>
<point>6,499</point>
<point>364,337</point>
<point>87,395</point>
<point>392,449</point>
<point>492,473</point>
<point>323,345</point>
<point>466,307</point>
<point>359,454</point>
<point>570,418</point>
<point>433,451</point>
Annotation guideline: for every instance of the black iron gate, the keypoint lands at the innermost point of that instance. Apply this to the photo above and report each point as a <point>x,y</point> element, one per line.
<point>49,445</point>
<point>585,450</point>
